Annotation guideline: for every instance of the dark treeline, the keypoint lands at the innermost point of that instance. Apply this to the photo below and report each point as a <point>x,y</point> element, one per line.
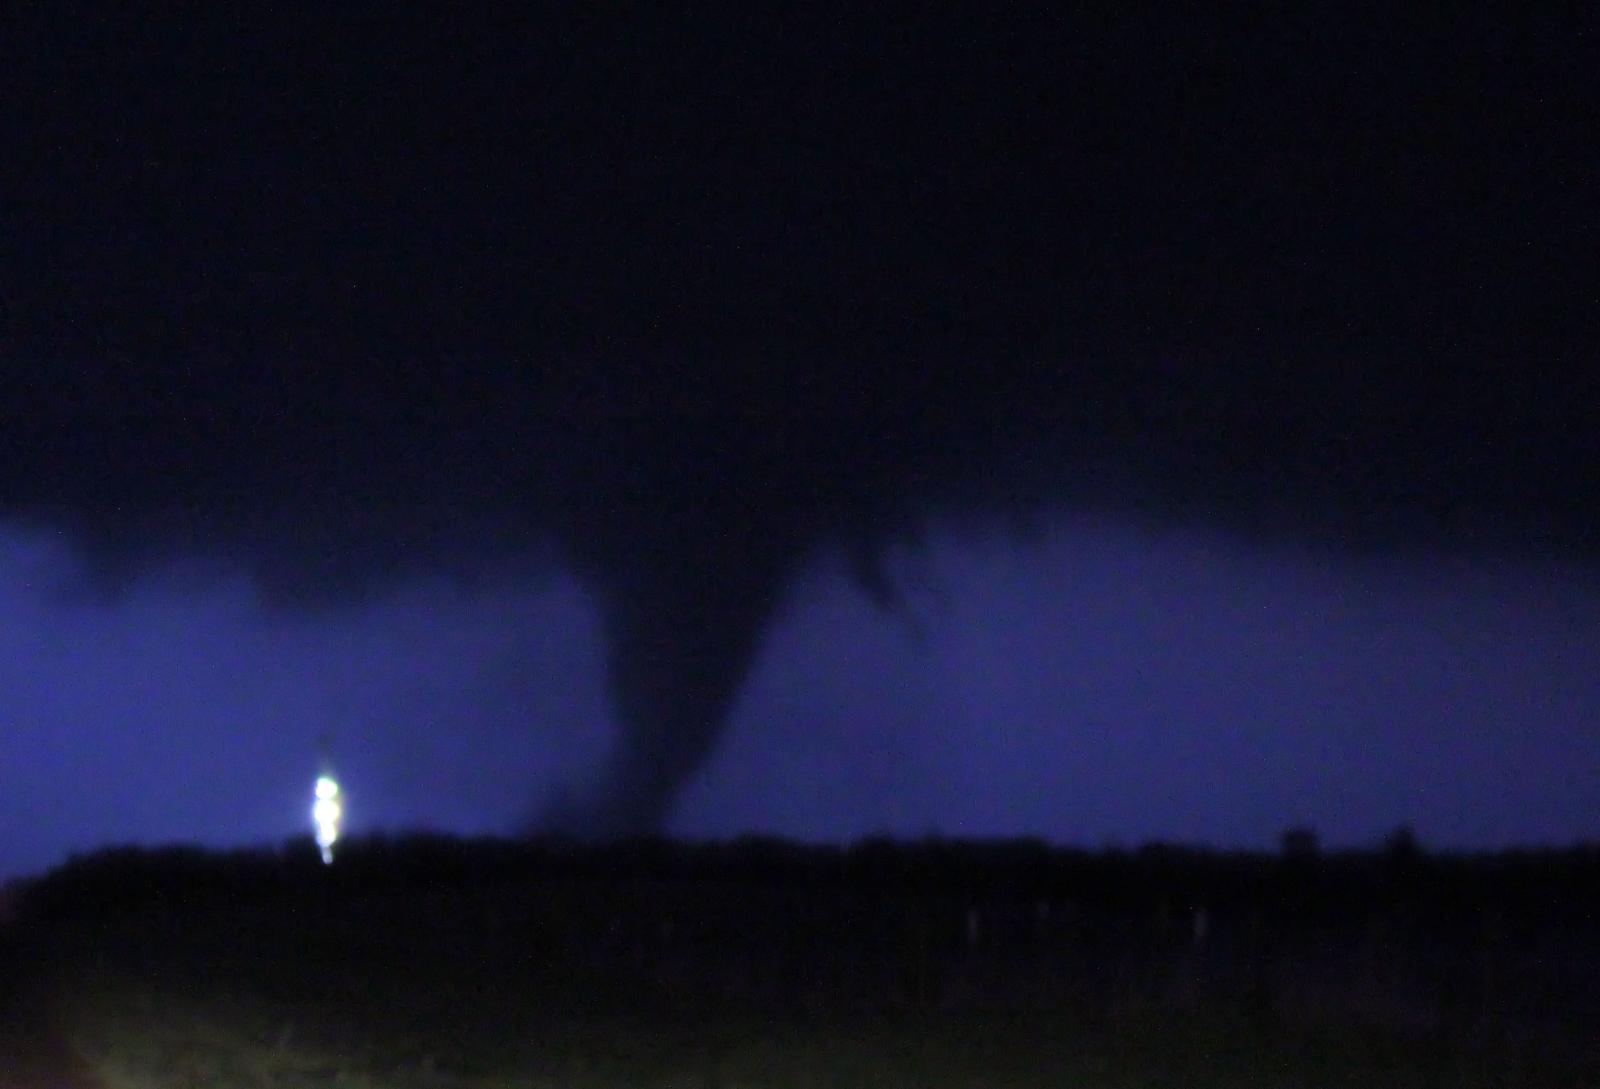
<point>1395,934</point>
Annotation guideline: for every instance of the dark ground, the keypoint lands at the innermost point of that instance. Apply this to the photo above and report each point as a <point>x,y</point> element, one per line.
<point>434,962</point>
<point>33,1054</point>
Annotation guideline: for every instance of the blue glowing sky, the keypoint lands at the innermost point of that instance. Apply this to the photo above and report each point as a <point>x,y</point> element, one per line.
<point>1092,683</point>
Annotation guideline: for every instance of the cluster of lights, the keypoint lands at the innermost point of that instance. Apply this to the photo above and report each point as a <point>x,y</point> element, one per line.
<point>327,811</point>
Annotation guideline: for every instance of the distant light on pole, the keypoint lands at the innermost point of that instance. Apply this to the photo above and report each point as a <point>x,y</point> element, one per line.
<point>327,811</point>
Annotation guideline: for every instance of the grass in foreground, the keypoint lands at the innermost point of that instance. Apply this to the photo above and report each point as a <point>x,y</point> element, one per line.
<point>135,1037</point>
<point>435,965</point>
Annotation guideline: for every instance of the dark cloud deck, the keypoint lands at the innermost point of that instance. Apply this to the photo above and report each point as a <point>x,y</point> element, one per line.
<point>371,292</point>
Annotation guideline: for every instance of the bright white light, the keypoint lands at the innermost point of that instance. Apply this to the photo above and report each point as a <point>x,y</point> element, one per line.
<point>326,812</point>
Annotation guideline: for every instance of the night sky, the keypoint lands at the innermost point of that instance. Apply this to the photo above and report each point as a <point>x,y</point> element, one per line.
<point>1091,426</point>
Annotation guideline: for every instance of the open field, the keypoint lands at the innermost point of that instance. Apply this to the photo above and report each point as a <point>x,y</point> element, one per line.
<point>431,964</point>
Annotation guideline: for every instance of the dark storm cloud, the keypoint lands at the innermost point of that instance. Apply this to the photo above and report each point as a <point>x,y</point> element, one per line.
<point>348,294</point>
